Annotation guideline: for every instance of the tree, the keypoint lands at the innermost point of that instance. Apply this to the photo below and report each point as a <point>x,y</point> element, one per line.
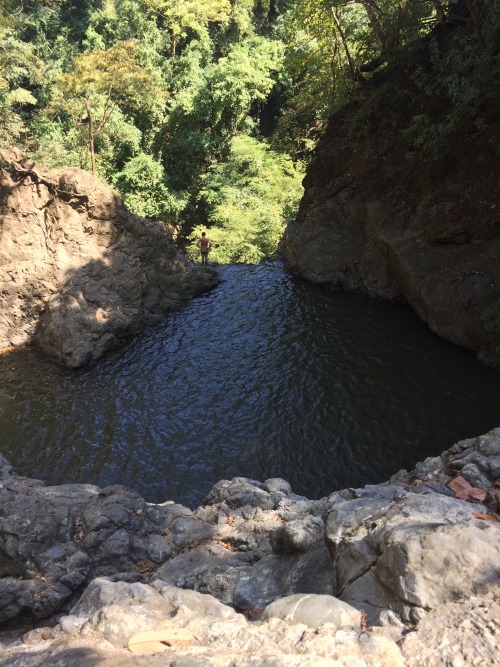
<point>19,70</point>
<point>214,103</point>
<point>142,185</point>
<point>104,79</point>
<point>332,46</point>
<point>183,17</point>
<point>249,198</point>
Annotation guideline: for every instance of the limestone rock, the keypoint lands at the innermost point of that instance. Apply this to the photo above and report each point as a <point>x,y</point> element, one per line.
<point>79,273</point>
<point>409,565</point>
<point>314,611</point>
<point>297,536</point>
<point>458,634</point>
<point>237,565</point>
<point>109,614</point>
<point>410,554</point>
<point>277,576</point>
<point>54,539</point>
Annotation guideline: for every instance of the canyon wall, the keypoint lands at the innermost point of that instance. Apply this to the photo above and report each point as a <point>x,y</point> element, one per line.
<point>425,231</point>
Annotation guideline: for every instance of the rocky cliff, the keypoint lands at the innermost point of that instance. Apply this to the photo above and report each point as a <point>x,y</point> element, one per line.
<point>424,230</point>
<point>405,573</point>
<point>79,273</point>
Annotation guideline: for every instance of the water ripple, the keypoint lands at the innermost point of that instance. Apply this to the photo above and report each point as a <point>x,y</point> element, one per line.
<point>264,376</point>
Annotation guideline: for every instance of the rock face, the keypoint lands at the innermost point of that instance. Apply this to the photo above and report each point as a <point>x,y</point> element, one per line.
<point>423,232</point>
<point>79,273</point>
<point>258,576</point>
<point>409,552</point>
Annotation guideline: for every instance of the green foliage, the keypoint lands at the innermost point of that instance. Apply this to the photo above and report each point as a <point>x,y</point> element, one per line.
<point>213,103</point>
<point>186,18</point>
<point>112,85</point>
<point>243,77</point>
<point>182,92</point>
<point>142,185</point>
<point>118,21</point>
<point>249,199</point>
<point>465,79</point>
<point>57,145</point>
<point>331,47</point>
<point>113,72</point>
<point>19,69</point>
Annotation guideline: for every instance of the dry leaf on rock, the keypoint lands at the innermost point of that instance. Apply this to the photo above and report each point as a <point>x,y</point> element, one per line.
<point>465,491</point>
<point>157,641</point>
<point>486,517</point>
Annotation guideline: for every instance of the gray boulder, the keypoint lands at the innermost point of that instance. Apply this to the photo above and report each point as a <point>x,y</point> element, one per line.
<point>313,611</point>
<point>53,540</point>
<point>237,565</point>
<point>411,553</point>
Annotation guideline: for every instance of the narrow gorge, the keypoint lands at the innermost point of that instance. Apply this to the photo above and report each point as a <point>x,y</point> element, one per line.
<point>380,574</point>
<point>289,457</point>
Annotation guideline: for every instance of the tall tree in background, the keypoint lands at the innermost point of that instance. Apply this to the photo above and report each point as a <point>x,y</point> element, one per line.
<point>104,80</point>
<point>331,46</point>
<point>163,97</point>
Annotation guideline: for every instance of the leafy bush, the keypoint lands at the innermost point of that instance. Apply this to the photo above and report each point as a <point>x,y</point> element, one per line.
<point>463,76</point>
<point>142,186</point>
<point>249,199</point>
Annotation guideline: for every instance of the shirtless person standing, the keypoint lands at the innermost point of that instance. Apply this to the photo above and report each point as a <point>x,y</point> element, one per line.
<point>204,244</point>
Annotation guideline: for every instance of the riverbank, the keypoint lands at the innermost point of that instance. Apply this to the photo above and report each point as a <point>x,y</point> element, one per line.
<point>400,573</point>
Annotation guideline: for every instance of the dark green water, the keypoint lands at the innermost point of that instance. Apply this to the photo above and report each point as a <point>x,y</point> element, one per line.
<point>265,376</point>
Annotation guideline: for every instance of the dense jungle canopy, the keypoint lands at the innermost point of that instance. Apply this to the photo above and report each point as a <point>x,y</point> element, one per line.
<point>204,113</point>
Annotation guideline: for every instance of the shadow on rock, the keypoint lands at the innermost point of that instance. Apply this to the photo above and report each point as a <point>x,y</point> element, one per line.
<point>80,273</point>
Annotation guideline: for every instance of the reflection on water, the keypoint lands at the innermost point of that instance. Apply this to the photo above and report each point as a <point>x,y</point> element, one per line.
<point>264,377</point>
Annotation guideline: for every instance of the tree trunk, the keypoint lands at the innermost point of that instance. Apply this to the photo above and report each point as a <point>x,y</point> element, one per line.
<point>91,136</point>
<point>476,22</point>
<point>375,17</point>
<point>352,69</point>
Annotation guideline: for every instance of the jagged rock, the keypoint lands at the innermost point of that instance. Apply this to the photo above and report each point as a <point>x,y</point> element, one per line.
<point>475,459</point>
<point>109,614</point>
<point>239,567</point>
<point>402,552</point>
<point>209,568</point>
<point>411,552</point>
<point>54,539</point>
<point>78,272</point>
<point>241,492</point>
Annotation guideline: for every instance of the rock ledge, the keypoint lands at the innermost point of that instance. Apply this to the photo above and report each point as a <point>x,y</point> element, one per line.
<point>400,573</point>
